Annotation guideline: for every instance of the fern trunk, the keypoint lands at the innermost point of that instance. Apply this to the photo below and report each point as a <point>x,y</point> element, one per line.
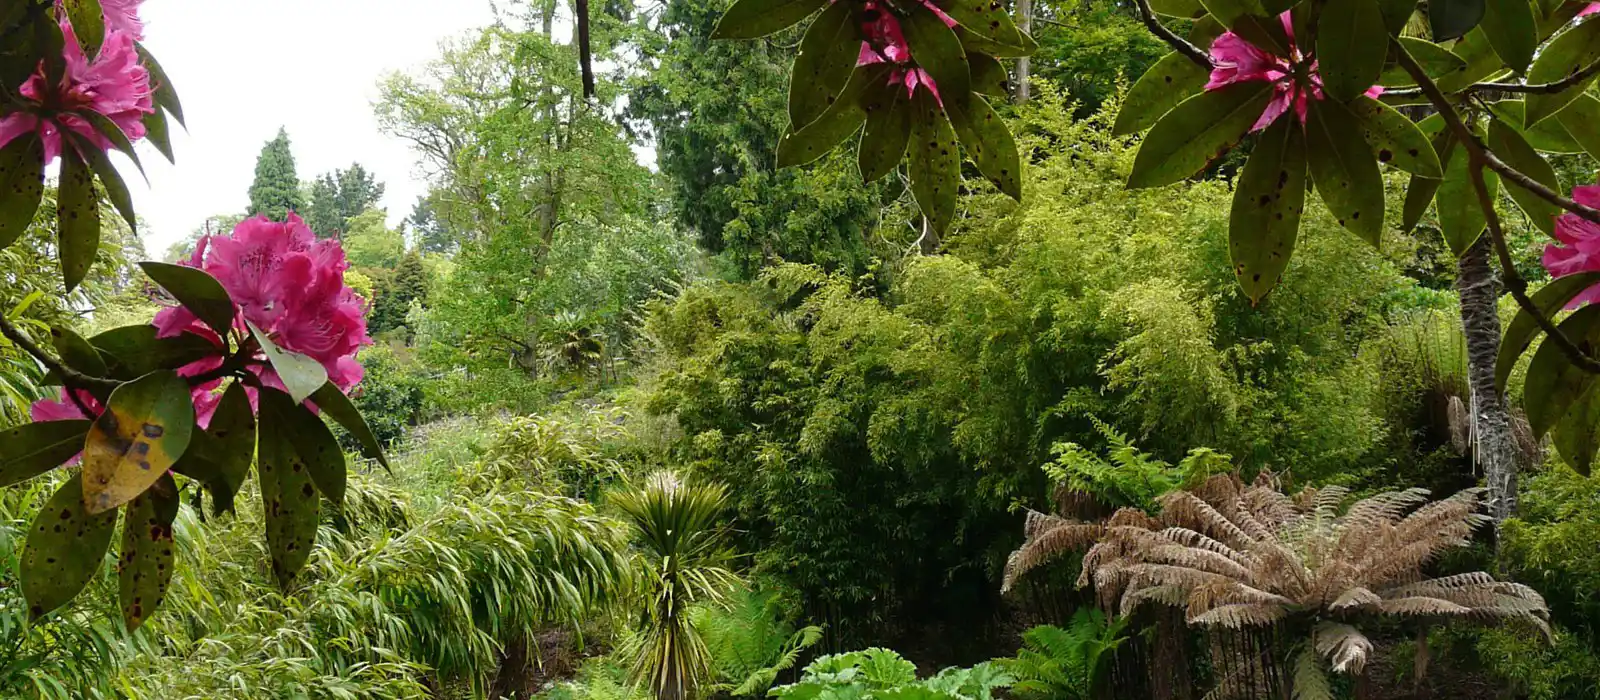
<point>1494,448</point>
<point>1170,656</point>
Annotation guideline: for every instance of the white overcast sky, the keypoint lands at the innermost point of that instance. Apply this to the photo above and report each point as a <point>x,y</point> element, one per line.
<point>243,68</point>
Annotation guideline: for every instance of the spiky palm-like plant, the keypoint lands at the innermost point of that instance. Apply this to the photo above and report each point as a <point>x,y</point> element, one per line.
<point>1242,556</point>
<point>676,526</point>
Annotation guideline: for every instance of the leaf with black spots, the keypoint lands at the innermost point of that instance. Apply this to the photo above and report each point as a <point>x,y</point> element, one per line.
<point>823,66</point>
<point>220,455</point>
<point>31,449</point>
<point>1481,62</point>
<point>934,163</point>
<point>197,291</point>
<point>986,18</point>
<point>753,19</point>
<point>1344,169</point>
<point>1351,45</point>
<point>989,77</point>
<point>333,402</point>
<point>841,119</point>
<point>318,449</point>
<point>110,180</point>
<point>1509,145</point>
<point>883,141</point>
<point>1420,192</point>
<point>937,50</point>
<point>21,185</point>
<point>66,548</point>
<point>1268,199</point>
<point>1460,217</point>
<point>1170,81</point>
<point>88,24</point>
<point>144,430</point>
<point>1395,140</point>
<point>288,496</point>
<point>989,142</point>
<point>145,562</point>
<point>1196,132</point>
<point>973,42</point>
<point>78,218</point>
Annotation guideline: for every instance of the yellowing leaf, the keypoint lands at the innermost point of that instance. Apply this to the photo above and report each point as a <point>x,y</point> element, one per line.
<point>144,430</point>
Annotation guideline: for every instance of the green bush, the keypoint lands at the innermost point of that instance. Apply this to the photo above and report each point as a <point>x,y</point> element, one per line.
<point>882,674</point>
<point>390,395</point>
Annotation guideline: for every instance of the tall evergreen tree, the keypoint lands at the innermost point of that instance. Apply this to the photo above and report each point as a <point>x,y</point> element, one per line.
<point>431,234</point>
<point>276,190</point>
<point>410,283</point>
<point>339,196</point>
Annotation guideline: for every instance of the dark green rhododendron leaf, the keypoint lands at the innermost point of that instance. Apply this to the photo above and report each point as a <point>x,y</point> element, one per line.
<point>1169,82</point>
<point>31,449</point>
<point>66,548</point>
<point>973,42</point>
<point>1229,11</point>
<point>1198,131</point>
<point>1512,31</point>
<point>1505,142</point>
<point>21,185</point>
<point>76,353</point>
<point>197,291</point>
<point>1344,169</point>
<point>78,218</point>
<point>1570,51</point>
<point>144,430</point>
<point>88,24</point>
<point>1524,328</point>
<point>19,56</point>
<point>1395,140</point>
<point>111,131</point>
<point>822,67</point>
<point>166,96</point>
<point>989,142</point>
<point>1577,434</point>
<point>144,565</point>
<point>1264,32</point>
<point>1205,31</point>
<point>1555,15</point>
<point>1420,193</point>
<point>752,19</point>
<point>1267,201</point>
<point>1351,46</point>
<point>883,142</point>
<point>985,18</point>
<point>836,123</point>
<point>1580,120</point>
<point>301,375</point>
<point>988,76</point>
<point>288,496</point>
<point>1436,61</point>
<point>936,48</point>
<point>1396,13</point>
<point>134,351</point>
<point>110,180</point>
<point>1185,9</point>
<point>337,406</point>
<point>159,133</point>
<point>1460,217</point>
<point>220,456</point>
<point>1553,383</point>
<point>934,162</point>
<point>318,450</point>
<point>1454,18</point>
<point>1550,135</point>
<point>1482,62</point>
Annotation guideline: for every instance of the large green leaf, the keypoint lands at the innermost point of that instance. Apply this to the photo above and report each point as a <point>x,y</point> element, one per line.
<point>934,161</point>
<point>144,566</point>
<point>88,24</point>
<point>220,456</point>
<point>301,375</point>
<point>76,353</point>
<point>973,42</point>
<point>989,142</point>
<point>883,141</point>
<point>1577,434</point>
<point>318,450</point>
<point>1581,121</point>
<point>1351,45</point>
<point>1567,53</point>
<point>1395,140</point>
<point>1454,18</point>
<point>1553,383</point>
<point>113,133</point>
<point>21,185</point>
<point>988,76</point>
<point>66,548</point>
<point>288,496</point>
<point>166,96</point>
<point>1550,135</point>
<point>1481,62</point>
<point>1267,201</point>
<point>197,291</point>
<point>337,406</point>
<point>1524,328</point>
<point>158,133</point>
<point>110,180</point>
<point>1460,217</point>
<point>1512,31</point>
<point>1346,173</point>
<point>984,18</point>
<point>938,50</point>
<point>1436,61</point>
<point>144,430</point>
<point>1170,81</point>
<point>31,449</point>
<point>836,123</point>
<point>134,351</point>
<point>751,19</point>
<point>1505,142</point>
<point>822,67</point>
<point>1228,12</point>
<point>1396,13</point>
<point>78,218</point>
<point>1184,9</point>
<point>1198,131</point>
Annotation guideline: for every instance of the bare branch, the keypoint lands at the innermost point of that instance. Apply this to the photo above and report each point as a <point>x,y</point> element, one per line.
<point>1178,43</point>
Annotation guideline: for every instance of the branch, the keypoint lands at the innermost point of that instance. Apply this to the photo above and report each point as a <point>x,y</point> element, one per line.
<point>1178,43</point>
<point>1587,72</point>
<point>1481,157</point>
<point>71,377</point>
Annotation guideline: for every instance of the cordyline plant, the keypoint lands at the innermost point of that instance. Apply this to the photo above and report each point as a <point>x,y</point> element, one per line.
<point>261,338</point>
<point>1238,556</point>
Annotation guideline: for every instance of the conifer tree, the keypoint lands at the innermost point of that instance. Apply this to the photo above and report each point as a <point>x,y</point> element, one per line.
<point>276,189</point>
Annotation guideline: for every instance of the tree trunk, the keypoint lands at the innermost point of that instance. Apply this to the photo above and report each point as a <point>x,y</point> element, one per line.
<point>1493,446</point>
<point>1025,23</point>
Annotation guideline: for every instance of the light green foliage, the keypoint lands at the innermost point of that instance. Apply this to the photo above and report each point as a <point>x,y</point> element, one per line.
<point>882,674</point>
<point>276,189</point>
<point>1064,664</point>
<point>1088,47</point>
<point>370,243</point>
<point>390,395</point>
<point>750,643</point>
<point>577,453</point>
<point>1128,477</point>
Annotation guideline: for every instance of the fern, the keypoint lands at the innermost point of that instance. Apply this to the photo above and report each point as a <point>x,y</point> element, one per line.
<point>1064,664</point>
<point>749,642</point>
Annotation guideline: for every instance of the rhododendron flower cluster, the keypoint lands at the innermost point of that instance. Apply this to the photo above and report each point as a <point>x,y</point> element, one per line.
<point>1579,247</point>
<point>114,84</point>
<point>1235,60</point>
<point>886,43</point>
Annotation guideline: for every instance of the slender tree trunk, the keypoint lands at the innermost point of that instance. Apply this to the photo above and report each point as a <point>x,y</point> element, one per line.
<point>1025,23</point>
<point>1494,448</point>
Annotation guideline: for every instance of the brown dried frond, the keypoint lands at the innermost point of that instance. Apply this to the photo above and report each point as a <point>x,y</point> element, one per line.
<point>1190,538</point>
<point>1353,598</point>
<point>1418,605</point>
<point>1133,517</point>
<point>1345,647</point>
<point>1219,488</point>
<point>1198,559</point>
<point>1240,615</point>
<point>1048,537</point>
<point>1184,509</point>
<point>1174,596</point>
<point>1271,506</point>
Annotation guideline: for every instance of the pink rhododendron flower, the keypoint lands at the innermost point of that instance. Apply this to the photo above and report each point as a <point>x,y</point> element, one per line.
<point>1235,60</point>
<point>886,43</point>
<point>289,285</point>
<point>1592,8</point>
<point>64,408</point>
<point>114,84</point>
<point>123,16</point>
<point>1579,249</point>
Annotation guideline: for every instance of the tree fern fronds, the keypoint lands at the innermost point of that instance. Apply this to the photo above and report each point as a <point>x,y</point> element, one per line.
<point>1345,647</point>
<point>1310,682</point>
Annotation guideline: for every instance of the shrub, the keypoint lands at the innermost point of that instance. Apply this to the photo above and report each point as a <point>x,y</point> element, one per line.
<point>882,674</point>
